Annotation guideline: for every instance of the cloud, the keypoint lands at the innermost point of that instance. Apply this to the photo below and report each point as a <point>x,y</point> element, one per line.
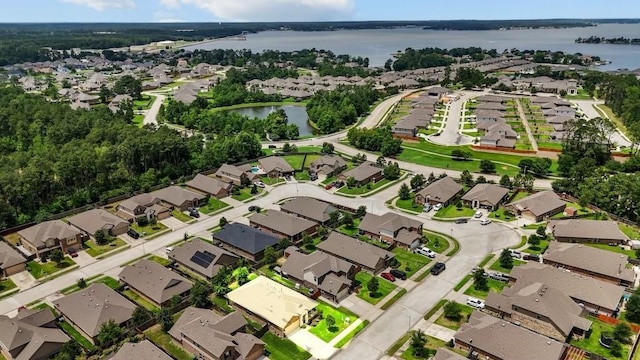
<point>104,4</point>
<point>271,10</point>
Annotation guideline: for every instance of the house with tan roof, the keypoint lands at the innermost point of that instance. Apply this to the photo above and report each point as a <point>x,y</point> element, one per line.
<point>202,257</point>
<point>486,196</point>
<point>237,175</point>
<point>364,173</point>
<point>210,186</point>
<point>154,282</point>
<point>587,231</point>
<point>491,338</point>
<point>30,337</point>
<point>42,238</point>
<point>489,115</point>
<point>178,197</point>
<point>145,205</point>
<point>495,106</point>
<point>598,263</point>
<point>393,229</point>
<point>207,335</point>
<point>89,308</point>
<point>245,241</point>
<point>320,272</point>
<point>442,191</point>
<point>283,225</point>
<point>361,254</point>
<point>11,261</point>
<point>99,219</point>
<point>309,208</point>
<point>141,350</point>
<point>328,165</point>
<point>263,299</point>
<point>539,206</point>
<point>275,166</point>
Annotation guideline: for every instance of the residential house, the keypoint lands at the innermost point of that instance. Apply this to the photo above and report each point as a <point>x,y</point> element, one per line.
<point>283,225</point>
<point>42,238</point>
<point>322,272</point>
<point>393,229</point>
<point>491,338</point>
<point>141,350</point>
<point>178,197</point>
<point>145,205</point>
<point>86,310</point>
<point>438,92</point>
<point>263,299</point>
<point>202,258</point>
<point>601,264</point>
<point>539,206</point>
<point>310,209</point>
<point>587,231</point>
<point>99,219</point>
<point>237,175</point>
<point>540,308</point>
<point>364,173</point>
<point>154,282</point>
<point>595,296</point>
<point>275,166</point>
<point>446,354</point>
<point>489,115</point>
<point>245,240</point>
<point>486,196</point>
<point>491,99</point>
<point>410,124</point>
<point>361,254</point>
<point>11,261</point>
<point>213,187</point>
<point>328,165</point>
<point>495,106</point>
<point>498,134</point>
<point>209,336</point>
<point>30,336</point>
<point>442,191</point>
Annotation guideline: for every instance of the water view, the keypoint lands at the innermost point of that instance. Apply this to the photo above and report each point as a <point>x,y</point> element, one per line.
<point>296,114</point>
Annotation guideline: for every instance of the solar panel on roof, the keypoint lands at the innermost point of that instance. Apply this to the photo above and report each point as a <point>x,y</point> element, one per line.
<point>203,259</point>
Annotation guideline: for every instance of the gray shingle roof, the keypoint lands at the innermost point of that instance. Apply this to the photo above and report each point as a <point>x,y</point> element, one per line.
<point>208,185</point>
<point>281,222</point>
<point>587,229</point>
<point>310,208</point>
<point>539,203</point>
<point>354,250</point>
<point>142,350</point>
<point>275,163</point>
<point>52,229</point>
<point>363,171</point>
<point>246,238</point>
<point>441,190</point>
<point>184,254</point>
<point>590,259</point>
<point>446,354</point>
<point>177,195</point>
<point>154,280</point>
<point>391,222</point>
<point>36,342</point>
<point>9,257</point>
<point>489,193</point>
<point>94,220</point>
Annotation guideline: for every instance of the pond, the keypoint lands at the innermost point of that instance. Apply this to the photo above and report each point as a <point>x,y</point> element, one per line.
<point>296,114</point>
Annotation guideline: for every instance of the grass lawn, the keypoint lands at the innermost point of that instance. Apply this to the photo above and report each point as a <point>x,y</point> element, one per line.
<point>592,344</point>
<point>486,260</point>
<point>342,316</point>
<point>363,189</point>
<point>351,335</point>
<point>630,231</point>
<point>462,282</point>
<point>160,260</point>
<point>449,212</point>
<point>435,309</point>
<point>213,205</point>
<point>6,285</point>
<point>139,300</point>
<point>409,204</point>
<point>12,238</point>
<point>432,346</point>
<point>502,214</point>
<point>309,159</point>
<point>244,194</point>
<point>148,229</point>
<point>385,287</point>
<point>163,340</point>
<point>614,119</point>
<point>138,120</point>
<point>271,181</point>
<point>544,244</point>
<point>455,325</point>
<point>350,230</point>
<point>617,249</point>
<point>494,286</point>
<point>107,280</point>
<point>266,271</point>
<point>283,349</point>
<point>39,270</point>
<point>496,266</point>
<point>535,226</point>
<point>410,262</point>
<point>180,215</point>
<point>296,161</point>
<point>144,103</point>
<point>94,249</point>
<point>75,335</point>
<point>436,242</point>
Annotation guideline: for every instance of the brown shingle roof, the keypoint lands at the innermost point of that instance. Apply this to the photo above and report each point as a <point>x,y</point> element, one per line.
<point>356,251</point>
<point>177,195</point>
<point>389,223</point>
<point>332,161</point>
<point>142,350</point>
<point>36,342</point>
<point>94,220</point>
<point>587,229</point>
<point>52,229</point>
<point>489,193</point>
<point>208,185</point>
<point>284,223</point>
<point>154,280</point>
<point>363,171</point>
<point>441,190</point>
<point>539,203</point>
<point>590,259</point>
<point>317,263</point>
<point>189,254</point>
<point>275,163</point>
<point>9,257</point>
<point>310,208</point>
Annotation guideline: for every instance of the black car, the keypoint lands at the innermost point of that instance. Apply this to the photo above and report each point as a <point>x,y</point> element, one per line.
<point>252,208</point>
<point>461,221</point>
<point>287,177</point>
<point>194,213</point>
<point>272,146</point>
<point>438,268</point>
<point>398,274</point>
<point>134,234</point>
<point>313,177</point>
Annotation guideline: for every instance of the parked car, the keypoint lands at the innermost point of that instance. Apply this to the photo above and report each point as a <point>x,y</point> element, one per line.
<point>388,277</point>
<point>399,274</point>
<point>478,214</point>
<point>169,249</point>
<point>423,250</point>
<point>193,212</point>
<point>338,184</point>
<point>287,177</point>
<point>461,221</point>
<point>531,257</point>
<point>473,271</point>
<point>437,207</point>
<point>516,254</point>
<point>72,252</point>
<point>476,303</point>
<point>328,187</point>
<point>438,268</point>
<point>272,146</point>
<point>427,207</point>
<point>485,221</point>
<point>259,184</point>
<point>134,234</point>
<point>498,276</point>
<point>253,208</point>
<point>313,177</point>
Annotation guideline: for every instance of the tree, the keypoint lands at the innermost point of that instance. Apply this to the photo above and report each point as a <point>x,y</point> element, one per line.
<point>487,167</point>
<point>622,333</point>
<point>128,85</point>
<point>307,240</point>
<point>481,180</point>
<point>458,154</point>
<point>480,281</point>
<point>334,219</point>
<point>331,322</point>
<point>105,94</point>
<point>351,182</point>
<point>322,231</point>
<point>534,240</point>
<point>417,182</point>
<point>404,192</point>
<point>637,253</point>
<point>633,308</point>
<point>223,221</point>
<point>254,189</point>
<point>615,348</point>
<point>373,285</point>
<point>109,333</point>
<point>270,256</point>
<point>432,178</point>
<point>466,178</point>
<point>347,220</point>
<point>242,275</point>
<point>199,295</point>
<point>505,181</point>
<point>381,161</point>
<point>506,261</point>
<point>69,351</point>
<point>82,283</point>
<point>165,319</point>
<point>541,231</point>
<point>327,148</point>
<point>392,171</point>
<point>57,256</point>
<point>361,211</point>
<point>140,316</point>
<point>418,342</point>
<point>452,311</point>
<point>175,300</point>
<point>101,236</point>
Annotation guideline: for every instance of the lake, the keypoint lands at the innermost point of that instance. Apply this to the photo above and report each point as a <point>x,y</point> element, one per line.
<point>379,44</point>
<point>296,114</point>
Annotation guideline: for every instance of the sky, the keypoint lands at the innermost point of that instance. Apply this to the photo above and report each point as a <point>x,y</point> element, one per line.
<point>307,10</point>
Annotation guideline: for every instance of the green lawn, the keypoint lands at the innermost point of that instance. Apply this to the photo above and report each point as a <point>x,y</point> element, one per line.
<point>544,244</point>
<point>75,335</point>
<point>592,344</point>
<point>486,260</point>
<point>213,205</point>
<point>144,103</point>
<point>160,260</point>
<point>436,242</point>
<point>283,349</point>
<point>496,266</point>
<point>309,159</point>
<point>630,231</point>
<point>435,309</point>
<point>39,270</point>
<point>350,230</point>
<point>163,340</point>
<point>449,212</point>
<point>535,226</point>
<point>494,286</point>
<point>462,283</point>
<point>410,262</point>
<point>409,204</point>
<point>94,249</point>
<point>342,316</point>
<point>432,346</point>
<point>360,190</point>
<point>385,287</point>
<point>630,253</point>
<point>502,214</point>
<point>148,230</point>
<point>107,280</point>
<point>351,334</point>
<point>6,285</point>
<point>139,300</point>
<point>296,161</point>
<point>138,120</point>
<point>176,213</point>
<point>271,181</point>
<point>244,194</point>
<point>455,325</point>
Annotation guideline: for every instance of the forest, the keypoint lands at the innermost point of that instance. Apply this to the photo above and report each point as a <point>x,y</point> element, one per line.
<point>56,158</point>
<point>412,59</point>
<point>602,40</point>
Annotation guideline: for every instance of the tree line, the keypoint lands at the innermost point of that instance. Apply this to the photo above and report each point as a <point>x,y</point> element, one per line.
<point>333,110</point>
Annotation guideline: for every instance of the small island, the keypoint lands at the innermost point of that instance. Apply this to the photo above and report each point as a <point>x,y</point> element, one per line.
<point>603,40</point>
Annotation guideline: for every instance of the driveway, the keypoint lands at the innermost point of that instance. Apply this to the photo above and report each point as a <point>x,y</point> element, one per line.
<point>83,259</point>
<point>24,280</point>
<point>151,116</point>
<point>173,223</point>
<point>312,344</point>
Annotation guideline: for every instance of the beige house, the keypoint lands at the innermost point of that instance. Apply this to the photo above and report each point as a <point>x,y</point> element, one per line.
<point>11,262</point>
<point>486,196</point>
<point>361,254</point>
<point>145,205</point>
<point>266,300</point>
<point>31,335</point>
<point>142,350</point>
<point>42,238</point>
<point>364,173</point>
<point>275,166</point>
<point>98,219</point>
<point>210,186</point>
<point>587,231</point>
<point>177,197</point>
<point>539,206</point>
<point>154,282</point>
<point>442,191</point>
